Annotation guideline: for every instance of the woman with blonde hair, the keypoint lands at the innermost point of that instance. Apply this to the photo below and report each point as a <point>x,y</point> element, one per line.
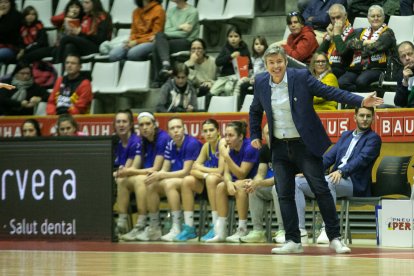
<point>321,70</point>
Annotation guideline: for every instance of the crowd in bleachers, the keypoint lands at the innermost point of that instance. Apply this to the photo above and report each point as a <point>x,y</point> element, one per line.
<point>165,33</point>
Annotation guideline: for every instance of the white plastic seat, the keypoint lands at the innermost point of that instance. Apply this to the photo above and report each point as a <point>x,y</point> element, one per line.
<point>210,9</point>
<point>105,76</point>
<point>52,37</point>
<point>201,102</point>
<point>360,22</point>
<point>123,32</point>
<point>44,10</point>
<point>135,77</point>
<point>389,98</point>
<point>223,104</point>
<point>246,103</point>
<point>40,109</point>
<point>18,4</point>
<point>403,27</point>
<point>238,9</point>
<point>121,11</point>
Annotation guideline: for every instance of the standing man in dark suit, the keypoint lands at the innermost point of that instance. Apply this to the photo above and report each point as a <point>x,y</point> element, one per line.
<point>352,159</point>
<point>298,139</point>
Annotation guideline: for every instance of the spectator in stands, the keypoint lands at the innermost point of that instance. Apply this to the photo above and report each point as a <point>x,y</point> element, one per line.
<point>301,42</point>
<point>64,23</point>
<point>235,47</point>
<point>206,173</point>
<point>261,190</point>
<point>406,7</point>
<point>246,85</point>
<point>147,20</point>
<point>316,15</point>
<point>23,98</point>
<point>302,4</point>
<point>10,22</point>
<point>32,33</point>
<point>31,128</point>
<point>321,70</point>
<point>334,44</point>
<point>66,125</point>
<point>95,27</point>
<point>180,153</point>
<point>203,69</point>
<point>352,158</point>
<point>181,27</point>
<point>177,94</point>
<point>241,162</point>
<point>72,93</point>
<point>404,96</point>
<point>372,48</point>
<point>149,158</point>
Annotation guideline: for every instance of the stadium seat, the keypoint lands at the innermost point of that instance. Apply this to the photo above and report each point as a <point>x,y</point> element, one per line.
<point>135,77</point>
<point>105,76</point>
<point>44,9</point>
<point>52,37</point>
<point>18,4</point>
<point>389,98</point>
<point>360,22</point>
<point>223,104</point>
<point>403,27</point>
<point>201,103</point>
<point>238,9</point>
<point>246,103</point>
<point>121,11</point>
<point>40,109</point>
<point>210,9</point>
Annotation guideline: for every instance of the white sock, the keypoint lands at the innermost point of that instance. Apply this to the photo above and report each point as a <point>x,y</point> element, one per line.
<point>214,216</point>
<point>176,217</point>
<point>142,220</point>
<point>243,224</point>
<point>221,226</point>
<point>154,219</point>
<point>189,218</point>
<point>123,216</point>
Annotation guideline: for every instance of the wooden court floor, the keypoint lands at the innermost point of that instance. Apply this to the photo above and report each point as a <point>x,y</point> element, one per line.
<point>106,258</point>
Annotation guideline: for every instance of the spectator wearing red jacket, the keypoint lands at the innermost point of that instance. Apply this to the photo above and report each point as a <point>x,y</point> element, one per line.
<point>301,43</point>
<point>72,93</point>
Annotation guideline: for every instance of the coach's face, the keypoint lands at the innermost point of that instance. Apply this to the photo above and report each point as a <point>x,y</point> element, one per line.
<point>276,66</point>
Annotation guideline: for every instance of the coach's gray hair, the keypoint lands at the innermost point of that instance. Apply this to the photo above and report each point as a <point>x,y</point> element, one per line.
<point>274,50</point>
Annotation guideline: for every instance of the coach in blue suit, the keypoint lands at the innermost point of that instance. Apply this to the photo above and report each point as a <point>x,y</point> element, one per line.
<point>352,159</point>
<point>298,139</point>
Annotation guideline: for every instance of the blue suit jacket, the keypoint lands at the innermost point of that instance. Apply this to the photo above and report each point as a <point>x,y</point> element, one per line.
<point>360,163</point>
<point>302,86</point>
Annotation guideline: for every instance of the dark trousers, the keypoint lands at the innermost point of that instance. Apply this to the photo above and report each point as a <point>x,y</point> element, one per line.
<point>359,81</point>
<point>75,44</point>
<point>290,158</point>
<point>163,47</point>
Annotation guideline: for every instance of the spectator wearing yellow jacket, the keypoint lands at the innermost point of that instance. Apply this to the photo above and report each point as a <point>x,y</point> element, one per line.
<point>321,70</point>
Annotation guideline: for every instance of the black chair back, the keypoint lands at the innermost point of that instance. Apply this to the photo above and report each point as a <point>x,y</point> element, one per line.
<point>392,176</point>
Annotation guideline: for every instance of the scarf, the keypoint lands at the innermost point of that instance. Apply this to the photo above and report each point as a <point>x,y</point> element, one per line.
<point>179,97</point>
<point>21,87</point>
<point>333,55</point>
<point>367,34</point>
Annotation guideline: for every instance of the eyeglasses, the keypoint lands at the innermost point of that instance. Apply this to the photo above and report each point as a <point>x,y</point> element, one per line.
<point>320,61</point>
<point>293,13</point>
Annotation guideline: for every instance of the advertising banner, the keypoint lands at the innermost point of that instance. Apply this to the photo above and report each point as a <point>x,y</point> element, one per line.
<point>56,189</point>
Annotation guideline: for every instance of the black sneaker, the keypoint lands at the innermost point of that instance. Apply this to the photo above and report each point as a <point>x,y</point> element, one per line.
<point>165,73</point>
